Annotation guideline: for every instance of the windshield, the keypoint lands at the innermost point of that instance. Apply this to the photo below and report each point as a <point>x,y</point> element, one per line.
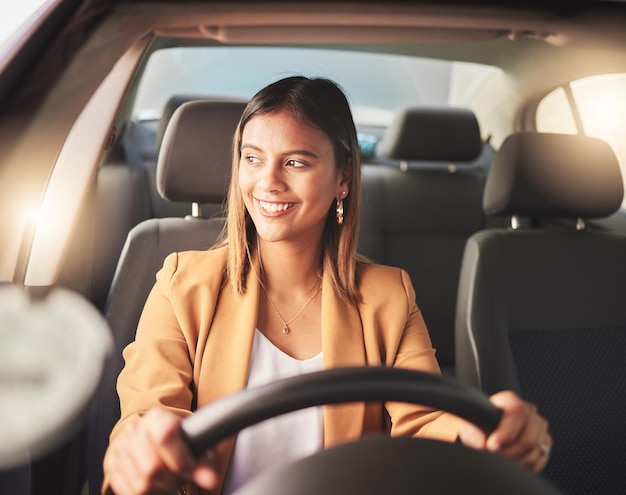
<point>376,84</point>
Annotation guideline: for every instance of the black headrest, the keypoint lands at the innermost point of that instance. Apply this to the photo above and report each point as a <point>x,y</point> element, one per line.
<point>195,158</point>
<point>438,134</point>
<point>554,175</point>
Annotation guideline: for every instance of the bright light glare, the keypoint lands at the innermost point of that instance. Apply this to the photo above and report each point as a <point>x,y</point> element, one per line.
<point>33,215</point>
<point>602,104</point>
<point>14,14</point>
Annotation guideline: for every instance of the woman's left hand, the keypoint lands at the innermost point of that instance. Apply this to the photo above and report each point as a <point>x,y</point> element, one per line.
<point>522,434</point>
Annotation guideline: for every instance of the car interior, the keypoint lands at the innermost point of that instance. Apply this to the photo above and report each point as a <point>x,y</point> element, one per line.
<point>481,177</point>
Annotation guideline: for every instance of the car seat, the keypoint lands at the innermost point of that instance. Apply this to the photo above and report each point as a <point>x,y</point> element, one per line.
<point>421,202</point>
<point>194,166</point>
<point>541,310</point>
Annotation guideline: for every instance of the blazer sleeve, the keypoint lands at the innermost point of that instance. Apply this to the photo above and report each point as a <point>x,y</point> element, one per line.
<point>415,351</point>
<point>158,370</point>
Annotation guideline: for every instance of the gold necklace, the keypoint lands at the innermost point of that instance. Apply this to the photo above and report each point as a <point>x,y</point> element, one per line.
<point>286,324</point>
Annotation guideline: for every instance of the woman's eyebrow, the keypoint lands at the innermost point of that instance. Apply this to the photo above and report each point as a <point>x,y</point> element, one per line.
<point>252,146</point>
<point>290,152</point>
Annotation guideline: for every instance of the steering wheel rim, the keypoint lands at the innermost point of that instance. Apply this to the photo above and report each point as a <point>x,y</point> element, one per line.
<point>223,418</point>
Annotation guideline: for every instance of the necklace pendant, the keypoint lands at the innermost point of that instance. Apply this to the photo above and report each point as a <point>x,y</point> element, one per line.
<point>286,329</point>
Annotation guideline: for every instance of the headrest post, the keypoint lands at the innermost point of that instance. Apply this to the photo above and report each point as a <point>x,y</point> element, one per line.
<point>196,210</point>
<point>580,224</point>
<point>515,223</point>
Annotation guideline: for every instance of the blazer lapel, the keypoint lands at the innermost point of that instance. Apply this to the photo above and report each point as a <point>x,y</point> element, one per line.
<point>342,345</point>
<point>226,356</point>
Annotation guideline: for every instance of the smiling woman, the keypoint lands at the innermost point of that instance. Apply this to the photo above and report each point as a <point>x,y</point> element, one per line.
<point>288,267</point>
<point>117,120</point>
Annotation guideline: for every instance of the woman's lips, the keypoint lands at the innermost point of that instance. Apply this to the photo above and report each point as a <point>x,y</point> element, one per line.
<point>273,207</point>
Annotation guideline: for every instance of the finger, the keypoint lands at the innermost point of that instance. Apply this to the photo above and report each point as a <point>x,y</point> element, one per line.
<point>514,422</point>
<point>544,457</point>
<point>522,434</point>
<point>205,477</point>
<point>164,430</point>
<point>544,448</point>
<point>116,472</point>
<point>138,468</point>
<point>537,458</point>
<point>204,474</point>
<point>532,440</point>
<point>151,455</point>
<point>471,436</point>
<point>121,466</point>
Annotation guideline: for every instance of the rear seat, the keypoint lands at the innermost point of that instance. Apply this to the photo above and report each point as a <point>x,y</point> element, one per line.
<point>421,202</point>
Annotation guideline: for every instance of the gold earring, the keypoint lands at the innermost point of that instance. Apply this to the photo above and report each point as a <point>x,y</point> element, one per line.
<point>340,211</point>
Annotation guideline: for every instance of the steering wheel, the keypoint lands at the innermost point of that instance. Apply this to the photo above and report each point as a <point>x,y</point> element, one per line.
<point>377,464</point>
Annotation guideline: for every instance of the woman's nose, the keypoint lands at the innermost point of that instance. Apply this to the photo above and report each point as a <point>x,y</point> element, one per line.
<point>272,176</point>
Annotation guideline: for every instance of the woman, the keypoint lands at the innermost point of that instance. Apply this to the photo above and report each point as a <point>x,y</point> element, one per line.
<point>284,293</point>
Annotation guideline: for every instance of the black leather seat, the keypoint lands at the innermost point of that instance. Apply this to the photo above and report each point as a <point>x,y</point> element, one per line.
<point>541,311</point>
<point>194,167</point>
<point>419,214</point>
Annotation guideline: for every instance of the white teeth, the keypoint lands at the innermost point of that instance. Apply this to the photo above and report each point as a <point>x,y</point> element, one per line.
<point>274,207</point>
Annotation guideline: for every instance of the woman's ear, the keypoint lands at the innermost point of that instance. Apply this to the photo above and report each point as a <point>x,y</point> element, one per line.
<point>342,194</point>
<point>343,190</point>
<point>344,184</point>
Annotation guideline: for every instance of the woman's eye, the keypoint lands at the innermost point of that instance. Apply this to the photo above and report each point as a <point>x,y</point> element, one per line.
<point>295,163</point>
<point>252,159</point>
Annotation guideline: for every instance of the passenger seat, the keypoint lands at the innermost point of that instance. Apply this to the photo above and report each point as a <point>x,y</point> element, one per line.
<point>420,204</point>
<point>541,310</point>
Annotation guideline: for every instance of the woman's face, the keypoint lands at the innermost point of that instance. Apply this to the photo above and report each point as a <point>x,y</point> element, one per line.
<point>288,177</point>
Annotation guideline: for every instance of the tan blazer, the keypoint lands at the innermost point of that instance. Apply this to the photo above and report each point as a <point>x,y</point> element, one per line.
<point>195,338</point>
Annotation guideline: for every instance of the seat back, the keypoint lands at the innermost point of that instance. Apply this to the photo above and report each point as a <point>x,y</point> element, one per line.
<point>194,167</point>
<point>541,311</point>
<point>418,215</point>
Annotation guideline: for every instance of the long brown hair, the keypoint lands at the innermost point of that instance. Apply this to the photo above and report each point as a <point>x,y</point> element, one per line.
<point>322,103</point>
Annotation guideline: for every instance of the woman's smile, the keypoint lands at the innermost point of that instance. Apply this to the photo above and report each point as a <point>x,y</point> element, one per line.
<point>274,208</point>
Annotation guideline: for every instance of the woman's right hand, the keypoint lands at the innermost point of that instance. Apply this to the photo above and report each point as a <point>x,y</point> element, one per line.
<point>150,457</point>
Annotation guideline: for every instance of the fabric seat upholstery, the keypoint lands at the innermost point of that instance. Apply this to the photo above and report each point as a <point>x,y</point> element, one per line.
<point>194,166</point>
<point>419,215</point>
<point>541,311</point>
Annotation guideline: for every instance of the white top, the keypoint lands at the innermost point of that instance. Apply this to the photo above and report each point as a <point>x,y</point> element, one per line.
<point>283,439</point>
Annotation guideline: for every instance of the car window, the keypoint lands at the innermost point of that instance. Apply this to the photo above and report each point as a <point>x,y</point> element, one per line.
<point>365,77</point>
<point>601,103</point>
